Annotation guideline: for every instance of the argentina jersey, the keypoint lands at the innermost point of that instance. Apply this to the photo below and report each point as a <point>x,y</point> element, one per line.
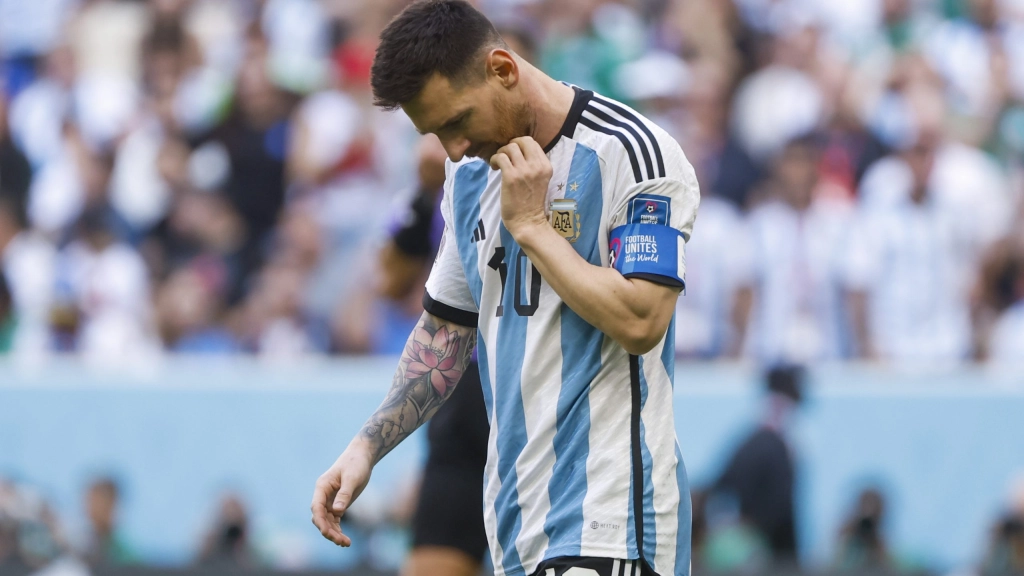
<point>582,454</point>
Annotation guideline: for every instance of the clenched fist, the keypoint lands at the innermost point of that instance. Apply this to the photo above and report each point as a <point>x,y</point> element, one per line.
<point>525,175</point>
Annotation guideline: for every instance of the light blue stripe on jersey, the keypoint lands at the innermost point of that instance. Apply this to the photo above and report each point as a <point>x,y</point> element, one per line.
<point>470,183</point>
<point>511,420</point>
<point>650,528</point>
<point>581,361</point>
<point>682,567</point>
<point>668,353</point>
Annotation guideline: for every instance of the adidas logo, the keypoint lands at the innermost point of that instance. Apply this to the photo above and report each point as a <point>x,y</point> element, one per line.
<point>479,234</point>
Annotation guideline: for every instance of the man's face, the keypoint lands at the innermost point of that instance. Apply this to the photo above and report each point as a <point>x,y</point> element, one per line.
<point>473,119</point>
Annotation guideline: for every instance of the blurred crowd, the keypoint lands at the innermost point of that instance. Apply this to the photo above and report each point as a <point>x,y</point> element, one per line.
<point>34,537</point>
<point>209,176</point>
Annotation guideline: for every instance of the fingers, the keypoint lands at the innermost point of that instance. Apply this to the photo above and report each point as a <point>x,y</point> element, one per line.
<point>326,521</point>
<point>500,161</point>
<point>514,153</point>
<point>530,148</point>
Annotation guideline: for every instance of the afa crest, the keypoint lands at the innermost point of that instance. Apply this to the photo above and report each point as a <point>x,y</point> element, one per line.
<point>565,219</point>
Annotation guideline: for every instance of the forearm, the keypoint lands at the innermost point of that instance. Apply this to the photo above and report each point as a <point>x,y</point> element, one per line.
<point>434,359</point>
<point>602,296</point>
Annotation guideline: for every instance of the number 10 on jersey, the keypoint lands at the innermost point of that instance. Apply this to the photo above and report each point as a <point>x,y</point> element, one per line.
<point>497,262</point>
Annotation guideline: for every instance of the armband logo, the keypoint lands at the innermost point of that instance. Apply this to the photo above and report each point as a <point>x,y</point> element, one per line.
<point>614,247</point>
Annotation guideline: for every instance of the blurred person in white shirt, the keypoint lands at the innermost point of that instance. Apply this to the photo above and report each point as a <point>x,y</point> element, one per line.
<point>798,239</point>
<point>108,282</point>
<point>27,260</point>
<point>926,216</point>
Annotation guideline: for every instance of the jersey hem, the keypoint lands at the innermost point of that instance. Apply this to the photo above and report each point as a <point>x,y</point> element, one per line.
<point>567,552</point>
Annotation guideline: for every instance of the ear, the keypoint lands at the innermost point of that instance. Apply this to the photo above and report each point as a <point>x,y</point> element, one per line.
<point>502,66</point>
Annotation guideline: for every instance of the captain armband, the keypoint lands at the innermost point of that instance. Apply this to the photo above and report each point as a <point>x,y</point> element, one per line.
<point>652,252</point>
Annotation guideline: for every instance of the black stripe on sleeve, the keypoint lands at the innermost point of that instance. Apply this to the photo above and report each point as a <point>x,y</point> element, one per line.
<point>622,138</point>
<point>657,279</point>
<point>643,126</point>
<point>449,313</point>
<point>636,136</point>
<point>636,455</point>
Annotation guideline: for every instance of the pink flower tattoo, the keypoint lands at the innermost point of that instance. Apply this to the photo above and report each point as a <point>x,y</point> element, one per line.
<point>435,357</point>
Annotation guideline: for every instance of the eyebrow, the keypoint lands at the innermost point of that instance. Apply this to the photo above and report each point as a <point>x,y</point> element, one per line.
<point>454,120</point>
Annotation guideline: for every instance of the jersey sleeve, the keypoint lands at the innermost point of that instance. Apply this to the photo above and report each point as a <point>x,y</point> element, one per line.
<point>653,221</point>
<point>447,293</point>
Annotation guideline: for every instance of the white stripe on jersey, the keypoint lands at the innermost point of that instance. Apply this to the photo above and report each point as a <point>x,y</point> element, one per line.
<point>608,470</point>
<point>489,333</point>
<point>535,463</point>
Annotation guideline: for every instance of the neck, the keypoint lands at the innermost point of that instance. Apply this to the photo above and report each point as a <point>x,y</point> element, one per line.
<point>550,101</point>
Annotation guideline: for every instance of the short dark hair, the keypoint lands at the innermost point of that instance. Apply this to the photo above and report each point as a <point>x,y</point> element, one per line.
<point>442,36</point>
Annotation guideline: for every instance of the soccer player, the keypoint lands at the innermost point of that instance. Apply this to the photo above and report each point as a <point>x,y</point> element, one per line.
<point>566,215</point>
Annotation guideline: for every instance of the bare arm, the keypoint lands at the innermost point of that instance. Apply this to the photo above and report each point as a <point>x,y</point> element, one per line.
<point>432,363</point>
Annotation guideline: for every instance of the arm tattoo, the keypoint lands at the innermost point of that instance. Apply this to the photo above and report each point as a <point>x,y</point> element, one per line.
<point>432,363</point>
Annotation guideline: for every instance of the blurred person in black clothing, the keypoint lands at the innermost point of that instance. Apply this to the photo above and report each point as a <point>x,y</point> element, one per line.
<point>760,474</point>
<point>1005,553</point>
<point>862,544</point>
<point>15,170</point>
<point>7,321</point>
<point>254,135</point>
<point>227,543</point>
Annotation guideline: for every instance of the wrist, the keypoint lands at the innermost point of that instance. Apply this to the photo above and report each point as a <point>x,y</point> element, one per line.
<point>361,448</point>
<point>528,231</point>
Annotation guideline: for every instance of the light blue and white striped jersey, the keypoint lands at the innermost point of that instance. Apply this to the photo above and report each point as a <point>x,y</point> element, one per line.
<point>582,455</point>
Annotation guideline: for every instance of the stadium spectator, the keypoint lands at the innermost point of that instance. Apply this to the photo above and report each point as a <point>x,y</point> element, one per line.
<point>28,262</point>
<point>8,321</point>
<point>926,216</point>
<point>30,534</point>
<point>998,299</point>
<point>107,283</point>
<point>105,545</point>
<point>15,170</point>
<point>798,237</point>
<point>226,545</point>
<point>189,306</point>
<point>759,477</point>
<point>862,544</point>
<point>1005,554</point>
<point>254,136</point>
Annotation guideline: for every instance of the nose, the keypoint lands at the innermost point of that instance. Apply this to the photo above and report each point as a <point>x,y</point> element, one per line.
<point>456,148</point>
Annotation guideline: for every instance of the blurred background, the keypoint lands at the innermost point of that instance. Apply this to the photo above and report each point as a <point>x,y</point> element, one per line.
<point>199,304</point>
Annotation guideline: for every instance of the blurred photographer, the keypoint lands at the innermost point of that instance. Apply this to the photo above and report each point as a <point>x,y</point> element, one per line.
<point>862,545</point>
<point>1006,549</point>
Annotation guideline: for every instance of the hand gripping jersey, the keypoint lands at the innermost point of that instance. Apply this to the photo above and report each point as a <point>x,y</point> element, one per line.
<point>582,456</point>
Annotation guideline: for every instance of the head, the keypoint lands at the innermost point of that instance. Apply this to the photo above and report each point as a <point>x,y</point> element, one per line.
<point>796,171</point>
<point>785,387</point>
<point>445,65</point>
